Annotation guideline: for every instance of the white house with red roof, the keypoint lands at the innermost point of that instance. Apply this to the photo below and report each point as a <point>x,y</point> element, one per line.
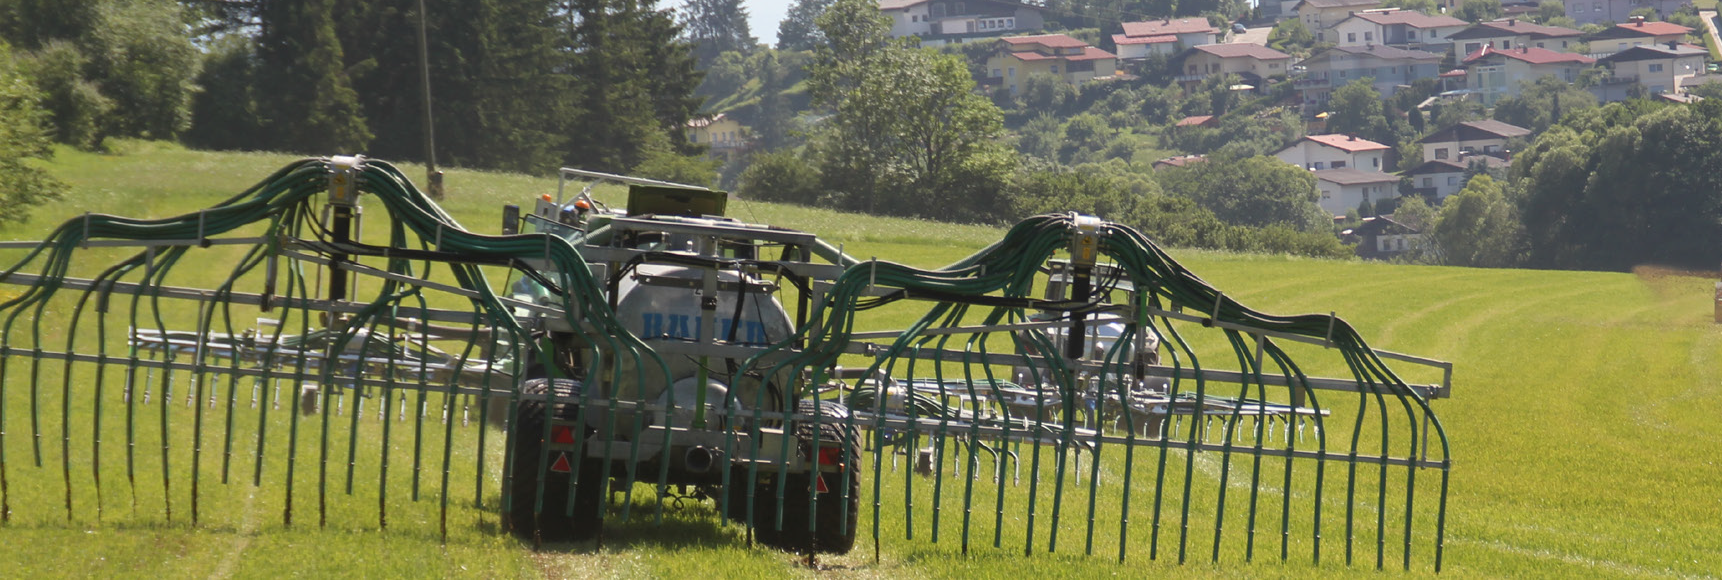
<point>1335,151</point>
<point>1399,28</point>
<point>1656,69</point>
<point>1167,36</point>
<point>1345,189</point>
<point>1493,74</point>
<point>1513,33</point>
<point>939,22</point>
<point>1253,63</point>
<point>1014,58</point>
<point>1636,33</point>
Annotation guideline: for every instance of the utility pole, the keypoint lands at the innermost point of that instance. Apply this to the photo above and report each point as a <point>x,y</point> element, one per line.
<point>432,176</point>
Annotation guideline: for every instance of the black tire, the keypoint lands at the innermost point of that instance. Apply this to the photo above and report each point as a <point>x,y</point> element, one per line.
<point>835,527</point>
<point>527,438</point>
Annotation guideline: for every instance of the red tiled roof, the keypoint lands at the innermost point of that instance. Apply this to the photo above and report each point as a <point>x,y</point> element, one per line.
<point>1410,18</point>
<point>1242,49</point>
<point>1088,53</point>
<point>1047,40</point>
<point>1655,28</point>
<point>1163,27</point>
<point>1531,55</point>
<point>1345,143</point>
<point>1120,39</point>
<point>1195,121</point>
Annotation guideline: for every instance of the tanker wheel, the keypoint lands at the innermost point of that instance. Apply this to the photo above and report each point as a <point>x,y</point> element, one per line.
<point>834,531</point>
<point>553,523</point>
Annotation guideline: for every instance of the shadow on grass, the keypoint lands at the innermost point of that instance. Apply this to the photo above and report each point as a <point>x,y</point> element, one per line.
<point>692,526</point>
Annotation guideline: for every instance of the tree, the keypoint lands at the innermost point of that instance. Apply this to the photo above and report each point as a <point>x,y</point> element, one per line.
<point>1256,192</point>
<point>1623,185</point>
<point>143,61</point>
<point>1291,36</point>
<point>1424,6</point>
<point>716,27</point>
<point>636,83</point>
<point>773,125</point>
<point>1356,109</point>
<point>76,107</point>
<point>1478,227</point>
<point>32,24</point>
<point>306,101</point>
<point>1542,103</point>
<point>1548,10</point>
<point>23,140</point>
<point>908,135</point>
<point>799,29</point>
<point>1480,10</point>
<point>780,176</point>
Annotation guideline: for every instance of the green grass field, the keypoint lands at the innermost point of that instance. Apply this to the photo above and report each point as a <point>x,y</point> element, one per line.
<point>1583,422</point>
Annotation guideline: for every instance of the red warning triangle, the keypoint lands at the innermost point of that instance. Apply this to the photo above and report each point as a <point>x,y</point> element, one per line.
<point>819,484</point>
<point>561,464</point>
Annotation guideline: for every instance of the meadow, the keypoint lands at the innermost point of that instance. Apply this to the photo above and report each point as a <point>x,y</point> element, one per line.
<point>1584,424</point>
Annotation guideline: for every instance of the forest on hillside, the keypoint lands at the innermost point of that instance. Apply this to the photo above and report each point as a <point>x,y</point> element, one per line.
<point>838,113</point>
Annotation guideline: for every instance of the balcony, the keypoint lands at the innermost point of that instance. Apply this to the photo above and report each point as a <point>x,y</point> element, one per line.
<point>1311,82</point>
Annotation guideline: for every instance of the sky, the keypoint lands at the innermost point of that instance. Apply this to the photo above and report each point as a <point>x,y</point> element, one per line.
<point>763,16</point>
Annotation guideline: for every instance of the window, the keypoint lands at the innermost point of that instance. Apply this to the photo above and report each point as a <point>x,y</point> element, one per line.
<point>1055,69</point>
<point>1369,37</point>
<point>998,73</point>
<point>1321,165</point>
<point>914,19</point>
<point>1351,37</point>
<point>1428,182</point>
<point>1012,71</point>
<point>1366,193</point>
<point>694,137</point>
<point>1441,153</point>
<point>1452,180</point>
<point>1463,151</point>
<point>958,9</point>
<point>1010,23</point>
<point>1540,45</point>
<point>1411,34</point>
<point>938,10</point>
<point>1656,67</point>
<point>1506,44</point>
<point>1471,47</point>
<point>1597,7</point>
<point>1339,165</point>
<point>1375,162</point>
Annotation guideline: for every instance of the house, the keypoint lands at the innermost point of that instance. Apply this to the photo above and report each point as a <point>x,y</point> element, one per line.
<point>1390,67</point>
<point>1320,15</point>
<point>1636,33</point>
<point>723,134</point>
<point>1437,179</point>
<point>1016,57</point>
<point>1493,74</point>
<point>1199,121</point>
<point>939,22</point>
<point>1453,142</point>
<point>1512,33</point>
<point>1343,190</point>
<point>1318,152</point>
<point>1254,63</point>
<point>1606,11</point>
<point>1381,238</point>
<point>1662,68</point>
<point>1167,37</point>
<point>1179,161</point>
<point>1397,28</point>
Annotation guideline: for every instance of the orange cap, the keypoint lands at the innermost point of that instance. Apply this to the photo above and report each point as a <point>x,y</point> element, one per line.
<point>545,197</point>
<point>581,203</point>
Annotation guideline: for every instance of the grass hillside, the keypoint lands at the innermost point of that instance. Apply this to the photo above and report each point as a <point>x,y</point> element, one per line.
<point>1584,421</point>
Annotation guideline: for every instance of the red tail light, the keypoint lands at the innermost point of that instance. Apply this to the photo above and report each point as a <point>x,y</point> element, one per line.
<point>831,456</point>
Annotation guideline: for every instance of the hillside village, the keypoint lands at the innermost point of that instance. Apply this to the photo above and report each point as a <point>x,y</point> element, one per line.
<point>1582,134</point>
<point>1449,81</point>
